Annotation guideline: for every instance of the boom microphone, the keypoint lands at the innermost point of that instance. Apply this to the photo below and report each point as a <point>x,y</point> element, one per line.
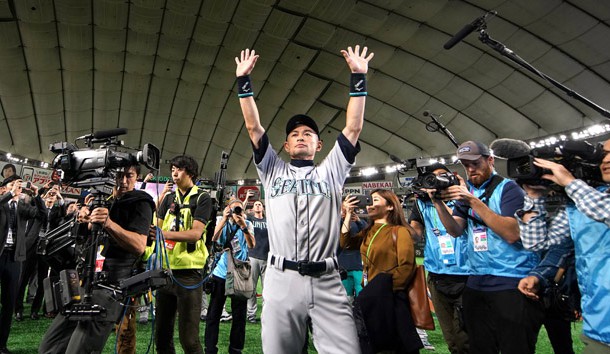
<point>104,134</point>
<point>436,125</point>
<point>506,148</point>
<point>468,29</point>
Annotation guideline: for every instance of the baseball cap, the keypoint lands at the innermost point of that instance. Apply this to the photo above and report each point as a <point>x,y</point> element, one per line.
<point>434,167</point>
<point>472,150</point>
<point>301,119</point>
<point>9,179</point>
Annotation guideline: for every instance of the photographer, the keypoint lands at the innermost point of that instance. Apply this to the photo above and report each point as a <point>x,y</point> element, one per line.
<point>235,232</point>
<point>47,219</point>
<point>497,316</point>
<point>126,222</point>
<point>14,216</point>
<point>182,216</point>
<point>445,260</point>
<point>586,219</point>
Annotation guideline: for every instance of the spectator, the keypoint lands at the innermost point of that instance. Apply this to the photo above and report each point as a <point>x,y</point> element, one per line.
<point>387,251</point>
<point>35,266</point>
<point>349,259</point>
<point>14,216</point>
<point>258,254</point>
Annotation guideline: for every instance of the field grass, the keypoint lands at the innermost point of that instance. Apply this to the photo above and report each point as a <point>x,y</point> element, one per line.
<point>26,335</point>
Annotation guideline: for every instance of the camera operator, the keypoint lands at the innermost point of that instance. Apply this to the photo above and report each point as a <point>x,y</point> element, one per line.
<point>445,260</point>
<point>183,216</point>
<point>232,228</point>
<point>14,216</point>
<point>126,222</point>
<point>497,316</point>
<point>586,219</point>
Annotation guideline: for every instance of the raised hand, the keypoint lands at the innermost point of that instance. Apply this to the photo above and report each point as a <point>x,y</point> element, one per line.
<point>559,174</point>
<point>357,62</point>
<point>148,177</point>
<point>245,63</point>
<point>350,202</point>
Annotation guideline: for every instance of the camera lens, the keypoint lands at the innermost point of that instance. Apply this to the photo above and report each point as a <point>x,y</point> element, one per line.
<point>429,181</point>
<point>237,210</point>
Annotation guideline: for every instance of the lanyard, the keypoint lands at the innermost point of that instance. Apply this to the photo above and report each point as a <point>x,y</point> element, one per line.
<point>373,239</point>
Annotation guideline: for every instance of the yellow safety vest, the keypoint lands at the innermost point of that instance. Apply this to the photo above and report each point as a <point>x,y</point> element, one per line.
<point>179,257</point>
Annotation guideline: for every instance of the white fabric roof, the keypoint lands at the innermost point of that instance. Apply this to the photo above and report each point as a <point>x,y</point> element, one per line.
<point>164,70</point>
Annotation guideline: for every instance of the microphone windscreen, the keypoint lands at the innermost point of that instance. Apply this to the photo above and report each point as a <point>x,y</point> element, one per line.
<point>103,134</point>
<point>506,148</point>
<point>395,159</point>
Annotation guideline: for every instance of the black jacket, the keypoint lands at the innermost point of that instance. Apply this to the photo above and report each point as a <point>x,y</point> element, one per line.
<point>384,318</point>
<point>25,212</point>
<point>54,217</point>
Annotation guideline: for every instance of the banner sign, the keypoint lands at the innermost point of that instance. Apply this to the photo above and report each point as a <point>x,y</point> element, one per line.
<point>378,185</point>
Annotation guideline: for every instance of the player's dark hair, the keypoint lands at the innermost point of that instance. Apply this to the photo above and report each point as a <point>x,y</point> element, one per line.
<point>186,163</point>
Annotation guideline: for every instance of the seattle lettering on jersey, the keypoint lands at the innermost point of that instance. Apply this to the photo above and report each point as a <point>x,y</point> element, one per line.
<point>283,186</point>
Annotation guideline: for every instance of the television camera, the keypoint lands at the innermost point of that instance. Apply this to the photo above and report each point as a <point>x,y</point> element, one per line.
<point>581,158</point>
<point>95,169</point>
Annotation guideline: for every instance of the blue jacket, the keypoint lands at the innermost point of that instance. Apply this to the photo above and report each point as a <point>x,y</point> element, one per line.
<point>592,245</point>
<point>240,248</point>
<point>501,258</point>
<point>434,260</point>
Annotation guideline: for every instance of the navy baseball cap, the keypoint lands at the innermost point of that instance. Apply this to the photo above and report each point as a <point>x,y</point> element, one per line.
<point>301,119</point>
<point>472,150</point>
<point>434,167</point>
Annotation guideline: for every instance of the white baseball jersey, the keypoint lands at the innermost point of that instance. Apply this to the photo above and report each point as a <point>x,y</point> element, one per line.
<point>303,220</point>
<point>303,205</point>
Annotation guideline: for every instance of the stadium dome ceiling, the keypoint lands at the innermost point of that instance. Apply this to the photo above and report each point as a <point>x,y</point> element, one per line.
<point>164,69</point>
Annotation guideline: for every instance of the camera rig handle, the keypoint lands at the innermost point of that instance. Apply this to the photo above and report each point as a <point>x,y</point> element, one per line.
<point>100,192</point>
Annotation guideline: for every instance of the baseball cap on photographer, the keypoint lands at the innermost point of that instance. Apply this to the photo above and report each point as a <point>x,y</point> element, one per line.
<point>301,119</point>
<point>472,150</point>
<point>435,166</point>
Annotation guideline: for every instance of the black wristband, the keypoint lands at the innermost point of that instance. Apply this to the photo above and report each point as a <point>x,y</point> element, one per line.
<point>357,85</point>
<point>244,86</point>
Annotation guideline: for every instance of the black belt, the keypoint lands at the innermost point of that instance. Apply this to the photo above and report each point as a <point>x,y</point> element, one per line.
<point>305,267</point>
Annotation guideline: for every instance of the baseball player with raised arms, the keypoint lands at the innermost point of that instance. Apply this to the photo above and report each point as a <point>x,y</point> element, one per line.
<point>303,219</point>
